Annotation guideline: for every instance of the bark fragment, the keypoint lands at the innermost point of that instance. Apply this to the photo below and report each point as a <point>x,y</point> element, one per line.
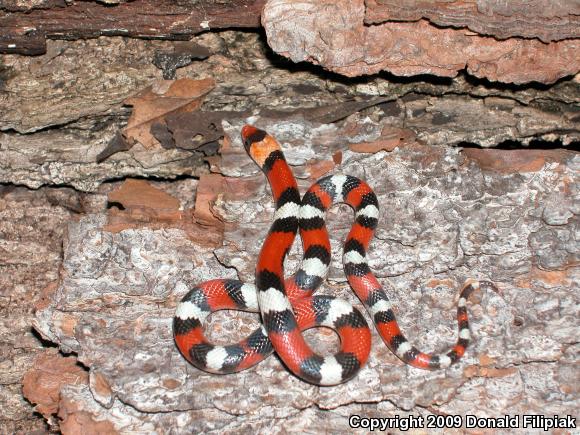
<point>50,372</point>
<point>142,205</point>
<point>332,34</point>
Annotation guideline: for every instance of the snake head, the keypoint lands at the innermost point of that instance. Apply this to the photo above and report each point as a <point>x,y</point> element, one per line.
<point>251,135</point>
<point>258,144</point>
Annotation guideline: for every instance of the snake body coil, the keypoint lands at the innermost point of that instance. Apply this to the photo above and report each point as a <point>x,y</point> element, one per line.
<point>288,307</point>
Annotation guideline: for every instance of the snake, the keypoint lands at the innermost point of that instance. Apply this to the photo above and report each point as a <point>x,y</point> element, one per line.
<point>288,307</point>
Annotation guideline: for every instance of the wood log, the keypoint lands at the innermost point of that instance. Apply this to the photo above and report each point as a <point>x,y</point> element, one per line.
<point>25,32</point>
<point>101,232</point>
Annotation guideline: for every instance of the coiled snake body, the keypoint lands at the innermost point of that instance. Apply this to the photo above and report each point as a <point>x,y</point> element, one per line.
<point>288,306</point>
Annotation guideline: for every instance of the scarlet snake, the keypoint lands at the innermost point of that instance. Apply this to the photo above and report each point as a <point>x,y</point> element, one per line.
<point>288,306</point>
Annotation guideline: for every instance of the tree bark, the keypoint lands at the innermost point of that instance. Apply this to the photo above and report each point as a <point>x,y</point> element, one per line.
<point>121,188</point>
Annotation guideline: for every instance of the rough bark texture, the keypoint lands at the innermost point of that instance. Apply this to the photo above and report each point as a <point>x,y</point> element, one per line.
<point>117,292</point>
<point>32,224</point>
<point>333,34</point>
<point>546,20</point>
<point>450,211</point>
<point>25,28</point>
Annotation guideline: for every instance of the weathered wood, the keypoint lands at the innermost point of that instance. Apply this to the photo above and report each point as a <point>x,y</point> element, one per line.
<point>62,129</point>
<point>32,224</point>
<point>546,20</point>
<point>333,34</point>
<point>445,216</point>
<point>26,32</point>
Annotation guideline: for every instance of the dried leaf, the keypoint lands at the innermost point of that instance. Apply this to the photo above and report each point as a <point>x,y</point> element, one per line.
<point>159,100</point>
<point>193,130</point>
